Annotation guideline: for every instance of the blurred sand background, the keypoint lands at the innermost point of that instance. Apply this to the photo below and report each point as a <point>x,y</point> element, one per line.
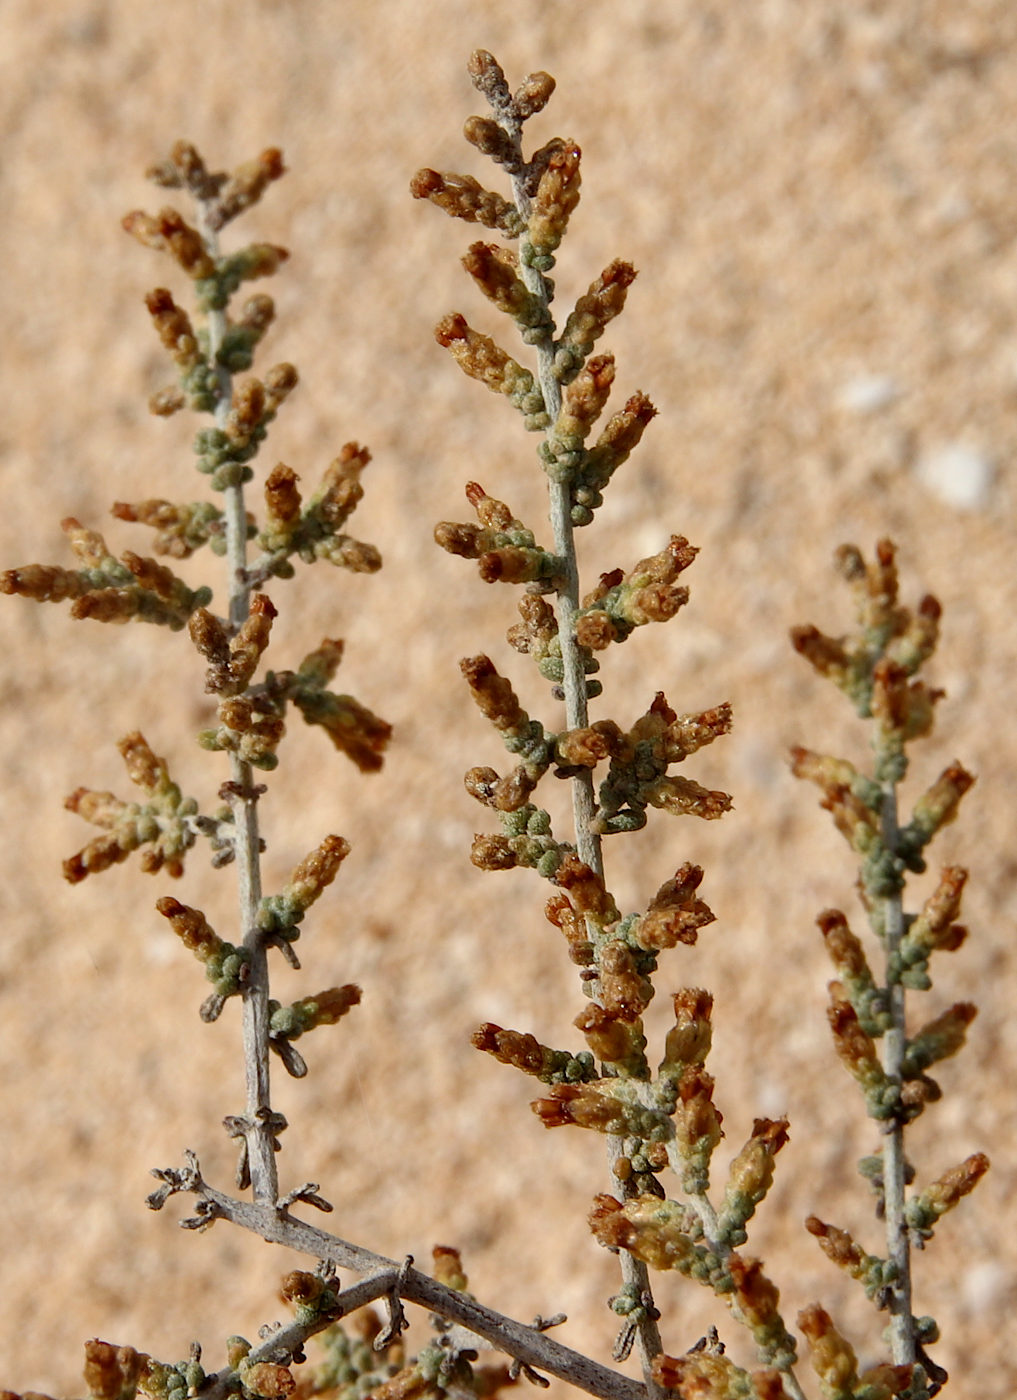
<point>822,203</point>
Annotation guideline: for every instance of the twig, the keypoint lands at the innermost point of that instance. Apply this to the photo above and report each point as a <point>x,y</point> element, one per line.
<point>384,1276</point>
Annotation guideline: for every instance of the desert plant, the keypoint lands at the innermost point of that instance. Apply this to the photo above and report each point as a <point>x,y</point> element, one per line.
<point>660,1124</point>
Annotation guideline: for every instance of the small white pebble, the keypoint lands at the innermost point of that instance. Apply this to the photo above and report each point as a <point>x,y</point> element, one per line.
<point>959,475</point>
<point>867,393</point>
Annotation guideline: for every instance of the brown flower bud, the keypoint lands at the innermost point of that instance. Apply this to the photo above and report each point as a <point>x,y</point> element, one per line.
<point>675,914</point>
<point>191,927</point>
<point>248,646</point>
<point>585,1105</point>
<point>559,911</point>
<point>839,1247</point>
<point>43,582</point>
<point>598,306</point>
<point>616,1042</point>
<point>625,991</point>
<point>938,806</point>
<point>682,796</point>
<point>316,871</point>
<point>88,545</point>
<point>493,693</point>
<point>282,497</point>
<point>267,1379</point>
<point>174,327</point>
<point>478,356</point>
<point>144,768</point>
<point>492,853</point>
<point>281,379</point>
<point>596,630</point>
<point>556,197</point>
<point>584,399</point>
<point>955,1184</point>
<point>510,1047</point>
<point>587,889</point>
<point>653,1230</point>
<point>581,748</point>
<point>689,1039</point>
<point>833,1358</point>
<point>825,654</point>
<point>854,1045</point>
<point>246,186</point>
<point>301,1287</point>
<point>110,1371</point>
<point>619,439</point>
<point>169,232</point>
<point>532,94</point>
<point>448,1268</point>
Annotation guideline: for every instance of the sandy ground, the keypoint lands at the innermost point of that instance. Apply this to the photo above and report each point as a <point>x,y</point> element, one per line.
<point>821,202</point>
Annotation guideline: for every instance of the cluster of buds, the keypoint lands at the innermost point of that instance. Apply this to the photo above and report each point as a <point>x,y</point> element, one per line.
<point>708,1373</point>
<point>224,452</point>
<point>624,601</point>
<point>108,589</point>
<point>223,196</point>
<point>874,667</point>
<point>253,723</point>
<point>505,550</point>
<point>234,659</point>
<point>663,1234</point>
<point>164,825</point>
<point>181,527</point>
<point>314,530</point>
<point>112,1372</point>
<point>215,278</point>
<point>251,726</point>
<point>354,730</point>
<point>640,758</point>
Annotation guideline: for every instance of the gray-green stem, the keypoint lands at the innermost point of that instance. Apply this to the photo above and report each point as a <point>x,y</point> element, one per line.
<point>894,1165</point>
<point>385,1277</point>
<point>588,847</point>
<point>259,1136</point>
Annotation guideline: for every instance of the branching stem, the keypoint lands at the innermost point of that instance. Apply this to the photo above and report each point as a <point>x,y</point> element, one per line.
<point>260,1139</point>
<point>384,1276</point>
<point>588,845</point>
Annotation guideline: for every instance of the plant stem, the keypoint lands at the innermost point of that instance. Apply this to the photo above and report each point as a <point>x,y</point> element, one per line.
<point>259,1159</point>
<point>635,1273</point>
<point>894,1162</point>
<point>526,1344</point>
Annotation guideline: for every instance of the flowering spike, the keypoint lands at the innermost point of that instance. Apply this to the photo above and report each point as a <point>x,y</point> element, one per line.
<point>526,1053</point>
<point>924,1210</point>
<point>750,1178</point>
<point>478,356</point>
<point>463,197</point>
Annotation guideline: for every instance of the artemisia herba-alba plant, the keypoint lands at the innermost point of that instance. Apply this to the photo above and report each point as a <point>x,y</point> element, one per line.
<point>656,1113</point>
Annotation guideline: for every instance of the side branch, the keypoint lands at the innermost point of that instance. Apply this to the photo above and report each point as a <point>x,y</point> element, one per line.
<point>385,1278</point>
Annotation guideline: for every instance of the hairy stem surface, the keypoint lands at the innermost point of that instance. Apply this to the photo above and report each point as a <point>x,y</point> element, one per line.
<point>259,1163</point>
<point>902,1330</point>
